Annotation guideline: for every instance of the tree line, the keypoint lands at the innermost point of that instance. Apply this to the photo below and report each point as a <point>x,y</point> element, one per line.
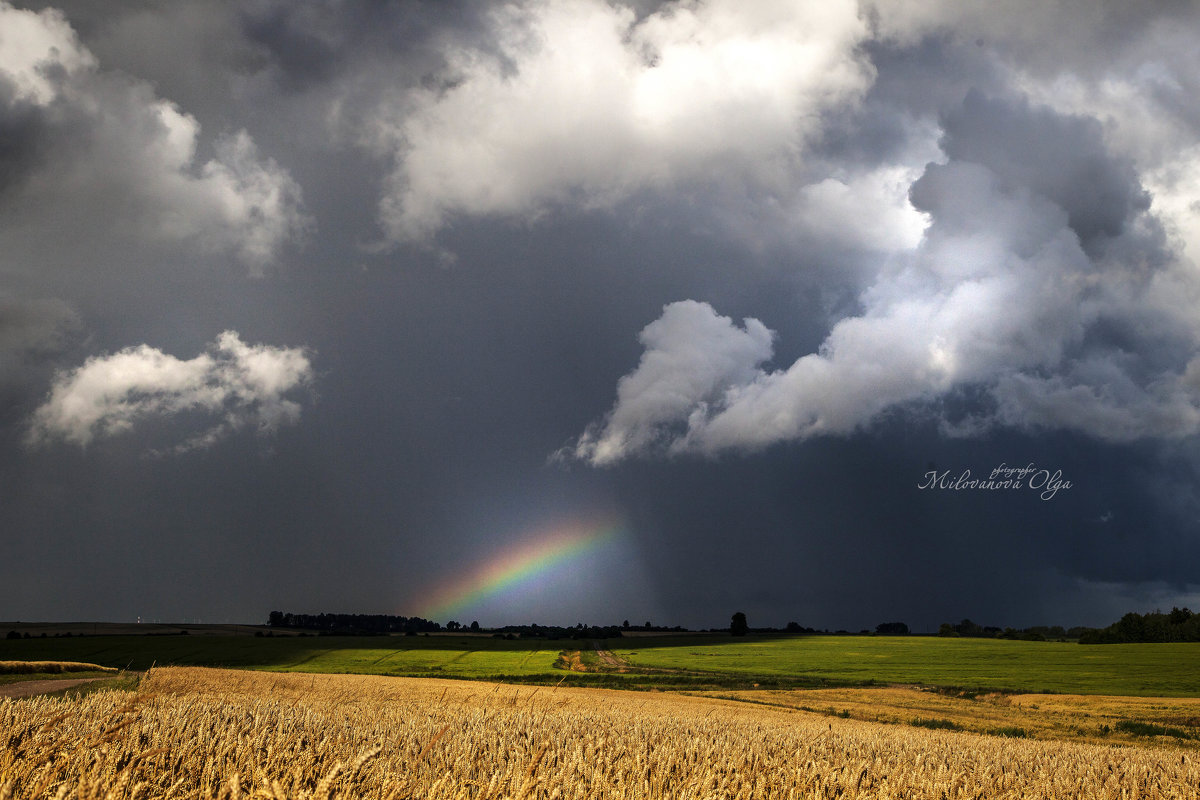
<point>357,624</point>
<point>1179,625</point>
<point>1034,633</point>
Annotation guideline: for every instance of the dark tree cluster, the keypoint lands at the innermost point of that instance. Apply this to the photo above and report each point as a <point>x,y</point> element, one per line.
<point>353,624</point>
<point>892,629</point>
<point>1180,625</point>
<point>1036,633</point>
<point>579,631</point>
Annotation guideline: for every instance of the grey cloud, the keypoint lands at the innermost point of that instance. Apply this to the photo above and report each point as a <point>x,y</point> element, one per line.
<point>313,43</point>
<point>34,324</point>
<point>22,135</point>
<point>1082,35</point>
<point>31,330</point>
<point>1062,158</point>
<point>112,152</point>
<point>1000,294</point>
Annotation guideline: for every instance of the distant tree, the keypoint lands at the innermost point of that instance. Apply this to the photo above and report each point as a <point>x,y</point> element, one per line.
<point>625,624</point>
<point>892,629</point>
<point>968,628</point>
<point>947,629</point>
<point>794,627</point>
<point>13,635</point>
<point>452,625</point>
<point>1131,628</point>
<point>475,626</point>
<point>738,625</point>
<point>275,619</point>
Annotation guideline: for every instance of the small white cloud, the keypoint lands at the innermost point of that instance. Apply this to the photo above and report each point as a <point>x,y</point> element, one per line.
<point>239,384</point>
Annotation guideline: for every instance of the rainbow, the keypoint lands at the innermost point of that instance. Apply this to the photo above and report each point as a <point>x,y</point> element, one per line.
<point>522,565</point>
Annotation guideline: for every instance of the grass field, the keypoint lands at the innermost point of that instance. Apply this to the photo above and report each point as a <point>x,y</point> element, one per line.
<point>692,662</point>
<point>448,656</point>
<point>190,732</point>
<point>1166,670</point>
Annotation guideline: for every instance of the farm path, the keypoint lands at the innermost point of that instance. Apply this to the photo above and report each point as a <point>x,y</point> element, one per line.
<point>609,659</point>
<point>30,688</point>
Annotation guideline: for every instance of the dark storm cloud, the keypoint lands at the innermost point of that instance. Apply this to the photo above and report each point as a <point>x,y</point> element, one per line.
<point>1062,158</point>
<point>22,131</point>
<point>951,276</point>
<point>314,43</point>
<point>34,324</point>
<point>1010,279</point>
<point>31,331</point>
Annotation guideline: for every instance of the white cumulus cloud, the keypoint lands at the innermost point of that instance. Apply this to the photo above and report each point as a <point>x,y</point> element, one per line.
<point>583,102</point>
<point>693,356</point>
<point>236,384</point>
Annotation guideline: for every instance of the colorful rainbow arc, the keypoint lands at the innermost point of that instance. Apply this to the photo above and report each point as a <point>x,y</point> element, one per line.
<point>523,564</point>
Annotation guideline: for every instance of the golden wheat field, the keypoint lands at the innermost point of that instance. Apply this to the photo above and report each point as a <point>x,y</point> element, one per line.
<point>1081,718</point>
<point>215,733</point>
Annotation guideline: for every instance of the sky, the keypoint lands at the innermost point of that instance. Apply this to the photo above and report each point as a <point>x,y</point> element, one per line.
<point>567,311</point>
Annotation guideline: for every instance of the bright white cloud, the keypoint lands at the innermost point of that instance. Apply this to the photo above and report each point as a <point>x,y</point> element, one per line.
<point>869,210</point>
<point>113,151</point>
<point>33,46</point>
<point>693,356</point>
<point>239,385</point>
<point>581,101</point>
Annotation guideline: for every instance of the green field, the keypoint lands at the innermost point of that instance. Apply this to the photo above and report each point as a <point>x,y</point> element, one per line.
<point>444,656</point>
<point>672,662</point>
<point>1167,670</point>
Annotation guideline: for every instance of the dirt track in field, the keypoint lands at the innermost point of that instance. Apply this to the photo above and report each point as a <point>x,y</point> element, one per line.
<point>30,688</point>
